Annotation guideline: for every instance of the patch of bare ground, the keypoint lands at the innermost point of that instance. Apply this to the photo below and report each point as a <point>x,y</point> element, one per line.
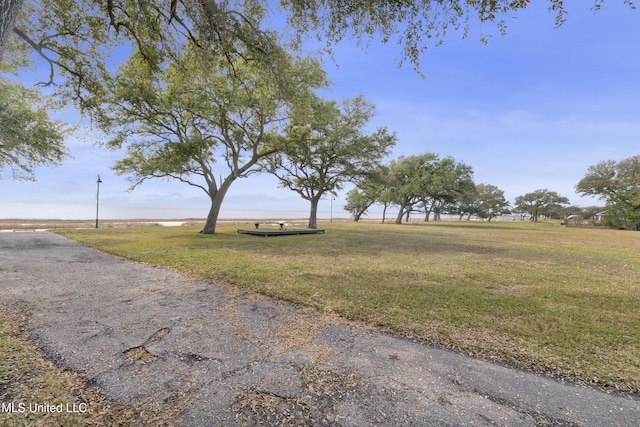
<point>322,393</point>
<point>298,334</point>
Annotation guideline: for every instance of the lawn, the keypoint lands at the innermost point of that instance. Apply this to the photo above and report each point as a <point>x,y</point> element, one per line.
<point>560,300</point>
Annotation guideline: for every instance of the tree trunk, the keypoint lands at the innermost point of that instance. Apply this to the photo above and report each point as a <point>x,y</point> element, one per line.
<point>216,204</point>
<point>384,213</point>
<point>400,215</point>
<point>433,209</point>
<point>9,10</point>
<point>313,215</point>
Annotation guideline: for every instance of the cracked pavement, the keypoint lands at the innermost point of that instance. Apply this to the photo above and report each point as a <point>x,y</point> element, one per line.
<point>148,336</point>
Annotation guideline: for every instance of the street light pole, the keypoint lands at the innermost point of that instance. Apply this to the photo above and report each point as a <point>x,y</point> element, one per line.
<point>331,209</point>
<point>98,199</point>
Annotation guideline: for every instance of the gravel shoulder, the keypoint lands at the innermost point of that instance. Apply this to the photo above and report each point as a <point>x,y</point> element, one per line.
<point>216,355</point>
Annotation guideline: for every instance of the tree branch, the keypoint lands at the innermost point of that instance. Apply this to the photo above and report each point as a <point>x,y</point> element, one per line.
<point>39,48</point>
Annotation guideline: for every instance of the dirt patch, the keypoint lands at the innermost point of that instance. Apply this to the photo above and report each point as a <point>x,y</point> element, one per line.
<point>323,393</point>
<point>138,355</point>
<point>298,334</point>
<point>258,407</point>
<point>159,335</point>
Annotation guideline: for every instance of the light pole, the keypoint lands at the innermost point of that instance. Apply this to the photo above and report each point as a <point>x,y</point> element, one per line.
<point>98,199</point>
<point>331,209</point>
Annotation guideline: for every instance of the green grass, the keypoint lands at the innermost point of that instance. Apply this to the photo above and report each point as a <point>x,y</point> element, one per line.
<point>559,300</point>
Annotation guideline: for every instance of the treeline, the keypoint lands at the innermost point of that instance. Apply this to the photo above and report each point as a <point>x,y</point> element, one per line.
<point>428,185</point>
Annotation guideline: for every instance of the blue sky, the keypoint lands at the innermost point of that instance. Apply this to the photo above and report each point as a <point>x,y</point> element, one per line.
<point>530,110</point>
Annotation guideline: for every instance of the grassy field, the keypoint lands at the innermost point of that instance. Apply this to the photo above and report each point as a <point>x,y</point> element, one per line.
<point>564,301</point>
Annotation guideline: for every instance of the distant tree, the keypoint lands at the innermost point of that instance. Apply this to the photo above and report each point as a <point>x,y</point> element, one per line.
<point>540,202</point>
<point>554,210</point>
<point>483,200</point>
<point>28,136</point>
<point>491,202</point>
<point>466,204</point>
<point>444,185</point>
<point>370,190</point>
<point>618,183</point>
<point>328,148</point>
<point>202,125</point>
<point>407,179</point>
<point>358,202</point>
<point>385,195</point>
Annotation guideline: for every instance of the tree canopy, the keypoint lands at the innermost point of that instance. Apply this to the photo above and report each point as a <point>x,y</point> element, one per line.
<point>426,181</point>
<point>486,201</point>
<point>445,185</point>
<point>491,202</point>
<point>540,202</point>
<point>372,189</point>
<point>57,30</point>
<point>28,136</point>
<point>429,184</point>
<point>415,25</point>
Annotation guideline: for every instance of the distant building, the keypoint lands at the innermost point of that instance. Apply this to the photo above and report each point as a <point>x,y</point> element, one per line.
<point>598,217</point>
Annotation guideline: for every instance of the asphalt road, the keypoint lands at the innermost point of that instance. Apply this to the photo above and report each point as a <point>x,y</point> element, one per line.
<point>152,337</point>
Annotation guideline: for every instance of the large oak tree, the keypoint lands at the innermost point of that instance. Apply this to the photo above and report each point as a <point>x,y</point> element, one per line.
<point>406,181</point>
<point>444,184</point>
<point>205,123</point>
<point>491,202</point>
<point>328,148</point>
